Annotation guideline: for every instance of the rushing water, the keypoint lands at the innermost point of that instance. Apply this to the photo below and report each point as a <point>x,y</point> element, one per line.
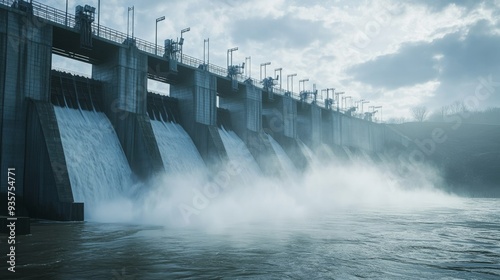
<point>337,220</point>
<point>97,167</point>
<point>283,158</point>
<point>458,241</point>
<point>238,151</point>
<point>178,152</point>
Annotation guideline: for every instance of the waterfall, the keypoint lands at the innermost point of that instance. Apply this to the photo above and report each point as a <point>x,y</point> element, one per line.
<point>97,167</point>
<point>284,160</point>
<point>238,153</point>
<point>311,158</point>
<point>178,152</point>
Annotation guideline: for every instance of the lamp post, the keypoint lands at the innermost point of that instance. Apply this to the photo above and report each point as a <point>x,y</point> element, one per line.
<point>66,18</point>
<point>230,51</point>
<point>303,81</point>
<point>248,72</point>
<point>328,96</point>
<point>379,107</point>
<point>358,102</point>
<point>182,39</point>
<point>156,33</point>
<point>206,42</point>
<point>338,98</point>
<point>276,70</point>
<point>362,103</point>
<point>345,101</point>
<point>98,17</point>
<point>290,76</point>
<point>263,64</point>
<point>128,20</point>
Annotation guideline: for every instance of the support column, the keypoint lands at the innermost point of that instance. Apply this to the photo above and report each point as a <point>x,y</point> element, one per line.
<point>30,140</point>
<point>309,123</point>
<point>124,77</point>
<point>197,92</point>
<point>24,69</point>
<point>316,125</point>
<point>245,107</point>
<point>280,121</point>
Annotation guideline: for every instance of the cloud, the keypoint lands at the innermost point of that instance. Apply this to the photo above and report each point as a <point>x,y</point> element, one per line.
<point>442,4</point>
<point>411,66</point>
<point>286,31</point>
<point>457,61</point>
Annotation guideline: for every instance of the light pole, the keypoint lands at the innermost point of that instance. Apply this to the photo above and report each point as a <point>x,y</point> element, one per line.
<point>345,101</point>
<point>66,18</point>
<point>98,17</point>
<point>230,51</point>
<point>182,39</point>
<point>362,103</point>
<point>248,72</point>
<point>358,102</point>
<point>156,33</point>
<point>128,20</point>
<point>263,64</point>
<point>276,70</point>
<point>329,104</point>
<point>379,107</point>
<point>290,76</point>
<point>338,98</point>
<point>206,42</point>
<point>303,81</point>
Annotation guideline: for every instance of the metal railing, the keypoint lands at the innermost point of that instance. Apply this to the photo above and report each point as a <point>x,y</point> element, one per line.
<point>66,19</point>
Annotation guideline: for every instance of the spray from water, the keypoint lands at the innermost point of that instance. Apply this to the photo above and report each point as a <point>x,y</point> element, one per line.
<point>98,169</point>
<point>239,195</point>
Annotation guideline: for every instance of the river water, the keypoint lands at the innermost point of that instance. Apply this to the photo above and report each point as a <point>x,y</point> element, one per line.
<point>335,220</point>
<point>456,241</point>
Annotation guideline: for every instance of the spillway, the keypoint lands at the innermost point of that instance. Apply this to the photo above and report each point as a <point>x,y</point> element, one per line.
<point>97,166</point>
<point>311,158</point>
<point>238,152</point>
<point>284,159</point>
<point>178,152</point>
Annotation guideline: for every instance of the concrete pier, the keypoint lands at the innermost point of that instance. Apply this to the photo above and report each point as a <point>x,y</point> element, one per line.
<point>279,119</point>
<point>245,107</point>
<point>30,140</point>
<point>196,92</point>
<point>124,78</point>
<point>26,53</point>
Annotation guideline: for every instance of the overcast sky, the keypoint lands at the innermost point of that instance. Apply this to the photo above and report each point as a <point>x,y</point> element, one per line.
<point>398,54</point>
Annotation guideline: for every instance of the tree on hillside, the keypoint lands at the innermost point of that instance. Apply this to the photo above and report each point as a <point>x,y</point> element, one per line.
<point>419,113</point>
<point>457,107</point>
<point>399,120</point>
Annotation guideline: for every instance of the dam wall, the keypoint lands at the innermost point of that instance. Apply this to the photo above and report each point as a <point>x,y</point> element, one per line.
<point>31,94</point>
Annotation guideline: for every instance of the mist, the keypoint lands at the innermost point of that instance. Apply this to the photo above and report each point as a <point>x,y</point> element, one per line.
<point>231,198</point>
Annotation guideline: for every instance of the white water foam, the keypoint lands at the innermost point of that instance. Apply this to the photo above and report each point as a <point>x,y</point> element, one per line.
<point>238,152</point>
<point>97,167</point>
<point>284,159</point>
<point>178,152</point>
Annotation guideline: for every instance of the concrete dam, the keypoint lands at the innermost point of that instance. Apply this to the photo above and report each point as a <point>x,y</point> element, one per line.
<point>75,140</point>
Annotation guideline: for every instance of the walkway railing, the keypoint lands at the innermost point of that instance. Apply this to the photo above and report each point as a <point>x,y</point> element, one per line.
<point>66,19</point>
